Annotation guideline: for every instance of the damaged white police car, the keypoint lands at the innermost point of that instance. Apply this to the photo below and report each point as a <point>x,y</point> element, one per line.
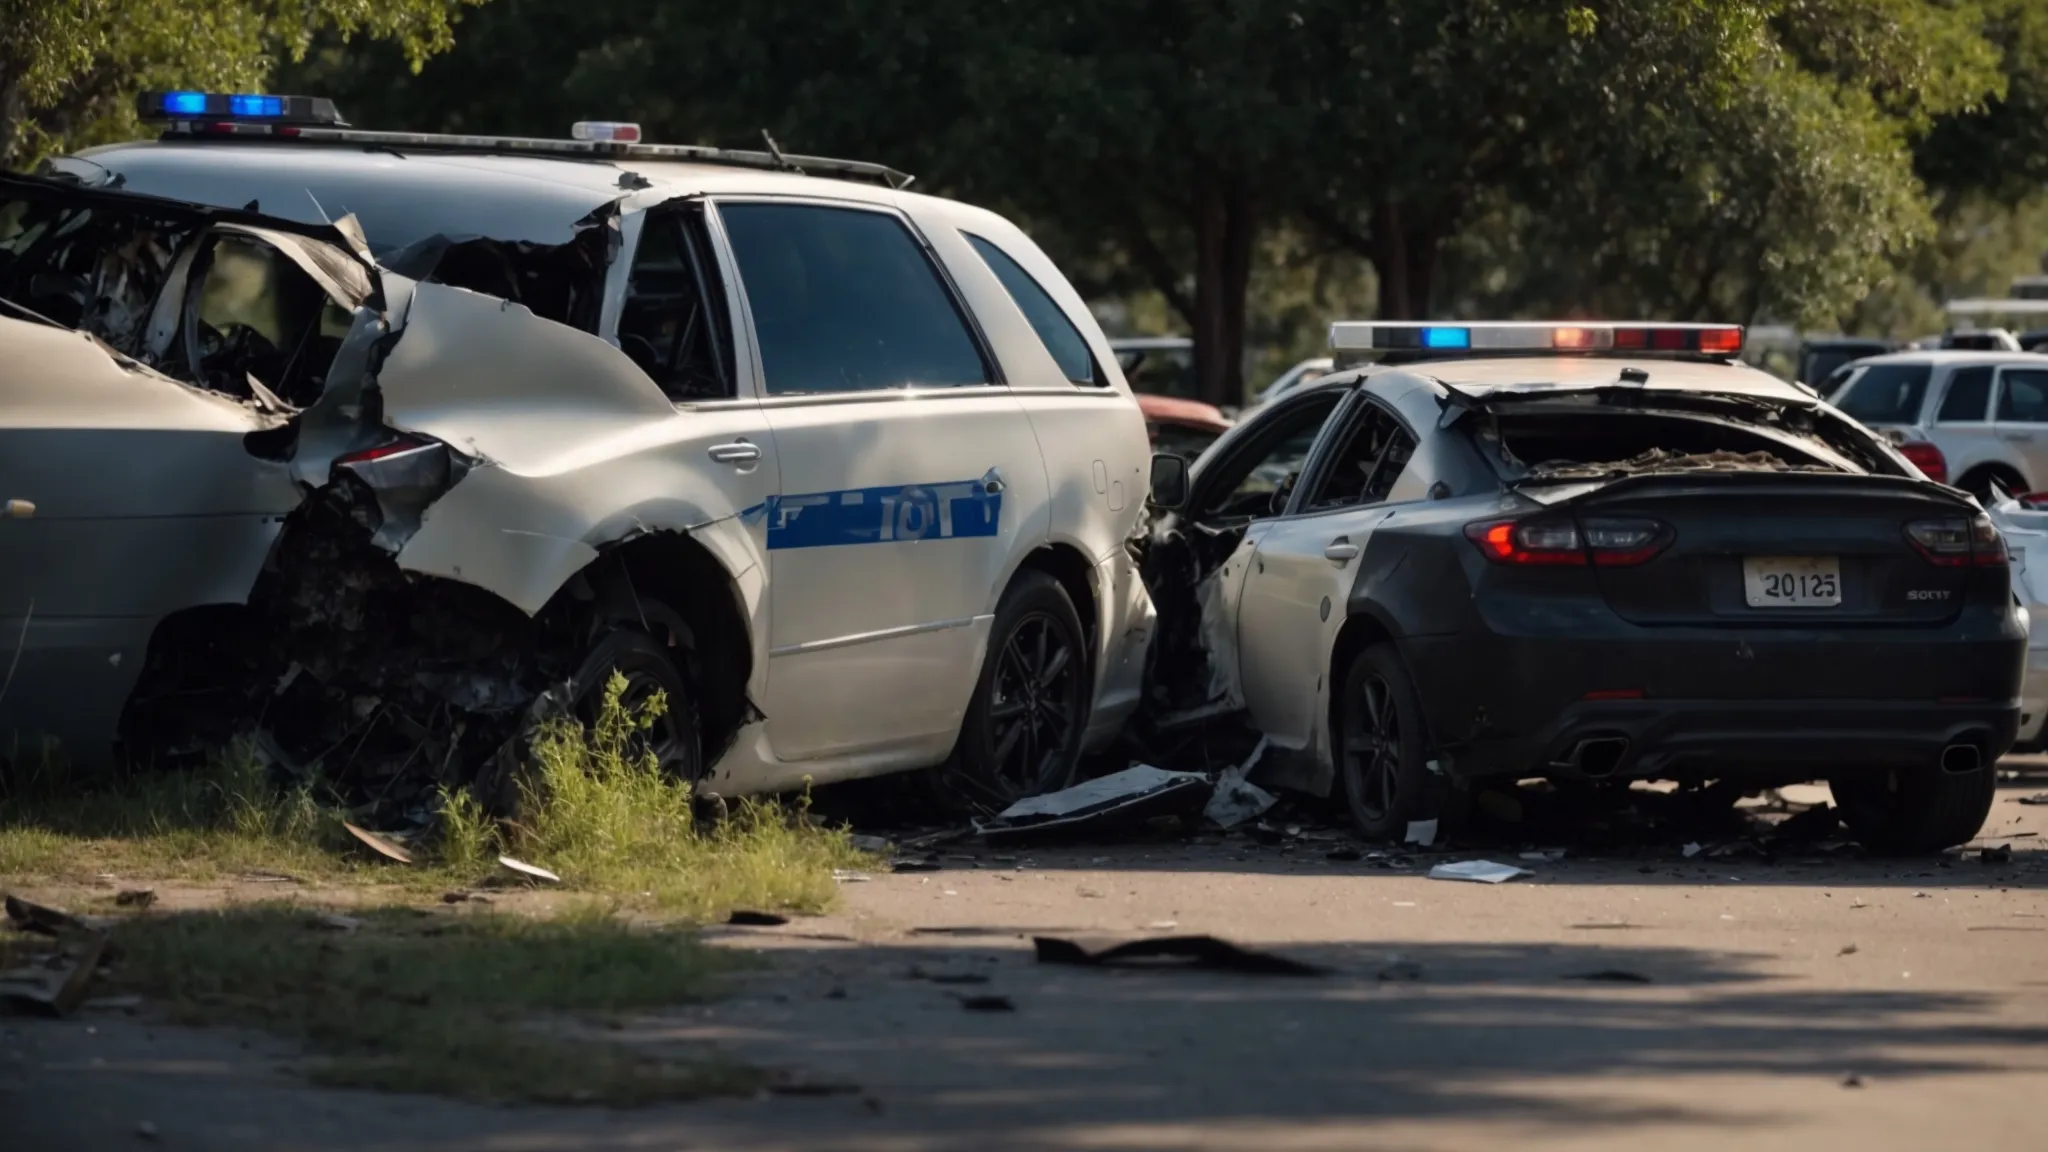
<point>1594,552</point>
<point>377,447</point>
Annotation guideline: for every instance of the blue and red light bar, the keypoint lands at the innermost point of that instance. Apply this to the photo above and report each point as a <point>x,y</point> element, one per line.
<point>1375,336</point>
<point>238,108</point>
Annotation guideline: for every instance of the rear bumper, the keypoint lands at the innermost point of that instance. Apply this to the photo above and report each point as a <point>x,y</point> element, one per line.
<point>1809,738</point>
<point>71,678</point>
<point>1720,701</point>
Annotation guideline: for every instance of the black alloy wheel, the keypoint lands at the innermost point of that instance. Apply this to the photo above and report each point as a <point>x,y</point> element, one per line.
<point>1383,773</point>
<point>650,667</point>
<point>1024,727</point>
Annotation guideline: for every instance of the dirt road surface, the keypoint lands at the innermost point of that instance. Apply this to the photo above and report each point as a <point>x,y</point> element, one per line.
<point>1801,1003</point>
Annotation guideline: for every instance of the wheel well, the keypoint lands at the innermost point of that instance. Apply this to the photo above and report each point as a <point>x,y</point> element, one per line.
<point>1360,632</point>
<point>678,573</point>
<point>1076,575</point>
<point>2003,471</point>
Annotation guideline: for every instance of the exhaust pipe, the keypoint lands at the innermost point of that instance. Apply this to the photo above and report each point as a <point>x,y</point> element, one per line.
<point>1595,755</point>
<point>1961,759</point>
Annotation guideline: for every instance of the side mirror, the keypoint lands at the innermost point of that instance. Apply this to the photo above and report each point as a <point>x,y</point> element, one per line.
<point>1169,481</point>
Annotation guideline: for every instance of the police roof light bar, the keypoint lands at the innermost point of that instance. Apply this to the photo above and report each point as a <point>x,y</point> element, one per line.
<point>1359,341</point>
<point>233,108</point>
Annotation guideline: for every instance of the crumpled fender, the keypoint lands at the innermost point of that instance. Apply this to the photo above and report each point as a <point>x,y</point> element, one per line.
<point>560,471</point>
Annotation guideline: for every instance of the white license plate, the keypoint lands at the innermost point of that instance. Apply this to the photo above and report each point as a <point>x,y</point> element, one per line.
<point>1792,581</point>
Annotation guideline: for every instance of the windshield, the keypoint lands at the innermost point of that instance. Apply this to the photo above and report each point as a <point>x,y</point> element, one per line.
<point>1886,394</point>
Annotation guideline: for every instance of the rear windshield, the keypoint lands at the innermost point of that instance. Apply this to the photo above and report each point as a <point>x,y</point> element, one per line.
<point>1886,394</point>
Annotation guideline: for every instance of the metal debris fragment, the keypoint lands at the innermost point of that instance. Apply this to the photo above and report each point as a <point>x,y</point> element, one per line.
<point>530,871</point>
<point>1481,871</point>
<point>378,844</point>
<point>1168,952</point>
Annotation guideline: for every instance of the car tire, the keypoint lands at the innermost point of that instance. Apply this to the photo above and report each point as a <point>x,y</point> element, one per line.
<point>1915,811</point>
<point>648,665</point>
<point>1383,776</point>
<point>1024,727</point>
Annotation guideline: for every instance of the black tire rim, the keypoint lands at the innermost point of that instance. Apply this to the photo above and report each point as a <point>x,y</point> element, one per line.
<point>667,739</point>
<point>1372,749</point>
<point>1034,705</point>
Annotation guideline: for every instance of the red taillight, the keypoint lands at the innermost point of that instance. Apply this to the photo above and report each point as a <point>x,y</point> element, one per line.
<point>1958,543</point>
<point>391,447</point>
<point>1927,458</point>
<point>1607,543</point>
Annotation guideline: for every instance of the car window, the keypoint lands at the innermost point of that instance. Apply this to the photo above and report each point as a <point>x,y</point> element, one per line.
<point>1069,349</point>
<point>1260,476</point>
<point>845,300</point>
<point>2023,396</point>
<point>260,317</point>
<point>1376,449</point>
<point>673,323</point>
<point>1969,396</point>
<point>1886,394</point>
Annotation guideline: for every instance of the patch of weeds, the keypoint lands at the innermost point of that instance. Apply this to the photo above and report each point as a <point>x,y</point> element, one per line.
<point>451,1004</point>
<point>597,810</point>
<point>602,814</point>
<point>223,817</point>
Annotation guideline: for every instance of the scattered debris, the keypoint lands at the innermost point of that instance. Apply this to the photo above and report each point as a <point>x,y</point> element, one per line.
<point>1399,969</point>
<point>459,896</point>
<point>1163,925</point>
<point>878,845</point>
<point>30,917</point>
<point>529,871</point>
<point>1118,800</point>
<point>1816,823</point>
<point>2039,799</point>
<point>1548,855</point>
<point>1852,1080</point>
<point>986,1003</point>
<point>749,919</point>
<point>1236,800</point>
<point>56,987</point>
<point>1421,832</point>
<point>135,897</point>
<point>335,921</point>
<point>268,878</point>
<point>378,844</point>
<point>2002,854</point>
<point>1611,976</point>
<point>1693,849</point>
<point>916,866</point>
<point>843,876</point>
<point>1482,871</point>
<point>1169,952</point>
<point>1847,950</point>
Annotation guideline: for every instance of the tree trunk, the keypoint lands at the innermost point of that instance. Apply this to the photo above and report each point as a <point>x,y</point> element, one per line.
<point>1226,229</point>
<point>1404,257</point>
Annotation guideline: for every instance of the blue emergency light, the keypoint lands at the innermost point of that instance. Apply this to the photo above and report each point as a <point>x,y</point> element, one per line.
<point>1446,337</point>
<point>239,108</point>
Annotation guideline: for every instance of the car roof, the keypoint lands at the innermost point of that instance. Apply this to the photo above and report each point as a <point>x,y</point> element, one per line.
<point>1955,356</point>
<point>1526,374</point>
<point>509,197</point>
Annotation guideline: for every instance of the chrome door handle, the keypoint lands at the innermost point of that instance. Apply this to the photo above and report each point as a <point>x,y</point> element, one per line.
<point>1340,551</point>
<point>737,452</point>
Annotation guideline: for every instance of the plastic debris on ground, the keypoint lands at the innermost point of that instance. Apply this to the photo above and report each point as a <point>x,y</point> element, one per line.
<point>379,844</point>
<point>1205,952</point>
<point>1421,832</point>
<point>1236,800</point>
<point>55,983</point>
<point>1116,801</point>
<point>529,871</point>
<point>1481,871</point>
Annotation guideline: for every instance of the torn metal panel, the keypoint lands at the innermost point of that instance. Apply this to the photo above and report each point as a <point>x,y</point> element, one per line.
<point>480,374</point>
<point>469,535</point>
<point>344,277</point>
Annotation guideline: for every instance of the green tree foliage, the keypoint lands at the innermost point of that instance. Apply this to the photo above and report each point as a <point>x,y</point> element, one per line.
<point>1734,159</point>
<point>70,69</point>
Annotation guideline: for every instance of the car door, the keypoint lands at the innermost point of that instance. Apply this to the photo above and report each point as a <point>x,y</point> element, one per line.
<point>1307,561</point>
<point>2022,416</point>
<point>910,478</point>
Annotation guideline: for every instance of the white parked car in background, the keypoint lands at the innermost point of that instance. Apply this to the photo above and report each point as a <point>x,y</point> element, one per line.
<point>1986,412</point>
